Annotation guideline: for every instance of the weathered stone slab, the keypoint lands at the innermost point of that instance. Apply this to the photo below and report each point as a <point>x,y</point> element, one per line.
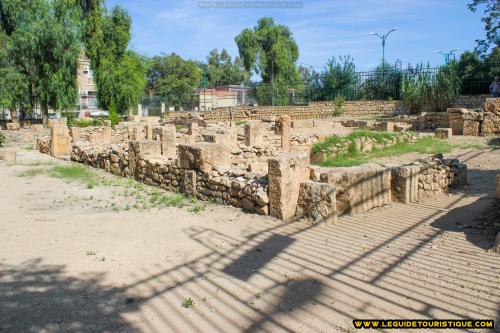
<point>359,188</point>
<point>60,141</point>
<point>404,183</point>
<point>456,121</point>
<point>443,133</point>
<point>168,141</point>
<point>8,154</point>
<point>470,127</point>
<point>490,124</point>
<point>286,172</point>
<point>57,122</point>
<point>190,182</point>
<point>283,127</point>
<point>385,126</point>
<point>203,156</point>
<point>253,134</point>
<point>492,105</point>
<point>12,126</point>
<point>317,202</point>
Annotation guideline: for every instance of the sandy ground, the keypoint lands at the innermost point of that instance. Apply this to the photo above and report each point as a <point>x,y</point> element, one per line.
<point>71,262</point>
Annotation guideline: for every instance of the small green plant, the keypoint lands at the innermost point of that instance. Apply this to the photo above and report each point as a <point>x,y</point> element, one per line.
<point>241,122</point>
<point>2,139</point>
<point>32,172</point>
<point>113,116</point>
<point>90,253</point>
<point>73,173</point>
<point>187,303</point>
<point>338,104</point>
<point>75,122</point>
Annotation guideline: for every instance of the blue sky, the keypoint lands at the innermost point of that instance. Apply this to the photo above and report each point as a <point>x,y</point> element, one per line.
<point>321,28</point>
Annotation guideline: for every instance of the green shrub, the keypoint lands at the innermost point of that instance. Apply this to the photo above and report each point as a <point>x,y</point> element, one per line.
<point>76,122</point>
<point>338,104</point>
<point>2,139</point>
<point>113,116</point>
<point>429,91</point>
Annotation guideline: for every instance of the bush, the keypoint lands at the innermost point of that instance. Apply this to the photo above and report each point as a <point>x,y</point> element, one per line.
<point>2,139</point>
<point>113,116</point>
<point>429,91</point>
<point>75,122</point>
<point>338,104</point>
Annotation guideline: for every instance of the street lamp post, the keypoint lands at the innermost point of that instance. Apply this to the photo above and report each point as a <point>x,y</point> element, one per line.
<point>447,55</point>
<point>382,39</point>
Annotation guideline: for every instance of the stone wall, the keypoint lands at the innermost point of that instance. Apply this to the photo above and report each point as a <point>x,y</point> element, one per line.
<point>470,101</point>
<point>142,160</point>
<point>315,110</point>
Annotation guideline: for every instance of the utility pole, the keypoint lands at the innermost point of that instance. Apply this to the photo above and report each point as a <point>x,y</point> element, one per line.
<point>447,55</point>
<point>383,39</point>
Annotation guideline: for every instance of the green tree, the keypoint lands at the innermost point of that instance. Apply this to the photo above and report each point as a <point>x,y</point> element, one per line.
<point>270,50</point>
<point>175,79</point>
<point>14,93</point>
<point>491,21</point>
<point>44,49</point>
<point>221,70</point>
<point>119,74</point>
<point>383,83</point>
<point>339,78</point>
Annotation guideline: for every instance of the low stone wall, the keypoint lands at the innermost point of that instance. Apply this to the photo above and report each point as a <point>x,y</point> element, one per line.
<point>476,122</point>
<point>363,144</point>
<point>470,101</point>
<point>357,189</point>
<point>315,110</point>
<point>142,160</point>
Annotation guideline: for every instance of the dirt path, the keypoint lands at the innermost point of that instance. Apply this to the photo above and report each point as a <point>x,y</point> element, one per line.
<point>69,262</point>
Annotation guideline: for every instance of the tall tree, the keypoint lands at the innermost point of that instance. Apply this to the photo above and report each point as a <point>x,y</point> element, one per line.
<point>270,50</point>
<point>119,74</point>
<point>491,21</point>
<point>174,78</point>
<point>221,70</point>
<point>44,47</point>
<point>339,77</point>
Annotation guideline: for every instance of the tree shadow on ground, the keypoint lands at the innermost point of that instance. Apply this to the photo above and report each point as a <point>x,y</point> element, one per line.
<point>36,297</point>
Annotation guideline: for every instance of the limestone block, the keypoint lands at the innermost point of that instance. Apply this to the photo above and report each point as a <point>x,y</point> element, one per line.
<point>317,202</point>
<point>8,155</point>
<point>385,126</point>
<point>76,134</point>
<point>401,127</point>
<point>456,121</point>
<point>404,183</point>
<point>492,105</point>
<point>60,141</point>
<point>304,123</point>
<point>106,135</point>
<point>283,126</point>
<point>490,124</point>
<point>136,133</point>
<point>12,126</point>
<point>203,156</point>
<point>190,182</point>
<point>149,131</point>
<point>286,172</point>
<point>443,133</point>
<point>168,141</point>
<point>57,122</point>
<point>36,127</point>
<point>253,134</point>
<point>360,188</point>
<point>498,186</point>
<point>470,127</point>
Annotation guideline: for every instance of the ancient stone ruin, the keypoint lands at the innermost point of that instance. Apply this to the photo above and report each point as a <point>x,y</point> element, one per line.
<point>262,166</point>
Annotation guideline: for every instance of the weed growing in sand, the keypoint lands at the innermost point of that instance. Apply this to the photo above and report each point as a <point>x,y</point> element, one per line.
<point>32,172</point>
<point>90,253</point>
<point>187,303</point>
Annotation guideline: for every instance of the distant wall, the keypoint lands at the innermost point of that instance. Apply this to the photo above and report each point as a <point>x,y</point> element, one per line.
<point>315,110</point>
